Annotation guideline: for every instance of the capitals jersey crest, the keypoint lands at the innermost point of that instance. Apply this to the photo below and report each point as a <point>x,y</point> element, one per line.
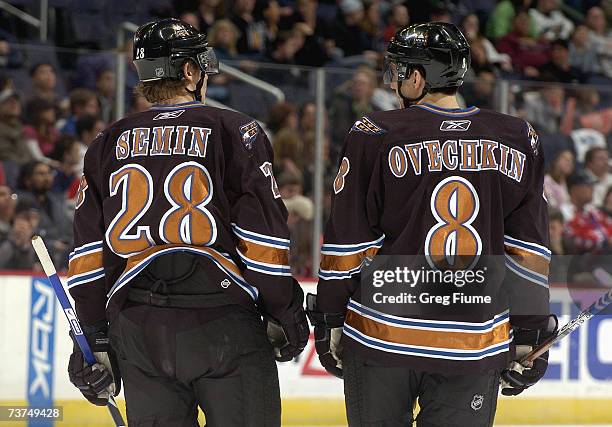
<point>534,141</point>
<point>366,125</point>
<point>248,133</point>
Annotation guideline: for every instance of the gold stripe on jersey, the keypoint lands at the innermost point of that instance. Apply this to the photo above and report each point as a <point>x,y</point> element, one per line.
<point>346,262</point>
<point>262,253</point>
<point>529,260</point>
<point>85,263</point>
<point>428,338</point>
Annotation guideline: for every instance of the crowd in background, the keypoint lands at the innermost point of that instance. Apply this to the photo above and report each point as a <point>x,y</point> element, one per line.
<point>53,102</point>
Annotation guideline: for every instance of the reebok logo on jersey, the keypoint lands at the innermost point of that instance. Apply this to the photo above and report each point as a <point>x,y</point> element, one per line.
<point>366,125</point>
<point>455,125</point>
<point>248,133</point>
<point>169,115</point>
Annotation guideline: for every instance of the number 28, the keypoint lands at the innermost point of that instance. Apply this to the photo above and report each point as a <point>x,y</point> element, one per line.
<point>188,188</point>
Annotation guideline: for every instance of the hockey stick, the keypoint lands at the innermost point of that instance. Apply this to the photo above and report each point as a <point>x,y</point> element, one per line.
<point>47,265</point>
<point>595,308</point>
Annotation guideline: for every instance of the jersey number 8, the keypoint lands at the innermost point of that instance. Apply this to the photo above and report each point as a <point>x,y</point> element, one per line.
<point>188,189</point>
<point>453,242</point>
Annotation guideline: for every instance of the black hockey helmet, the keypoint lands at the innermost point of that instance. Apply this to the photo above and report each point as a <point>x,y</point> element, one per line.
<point>439,49</point>
<point>161,48</point>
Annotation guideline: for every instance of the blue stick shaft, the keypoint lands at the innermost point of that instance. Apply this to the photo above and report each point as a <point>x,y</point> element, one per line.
<point>73,321</point>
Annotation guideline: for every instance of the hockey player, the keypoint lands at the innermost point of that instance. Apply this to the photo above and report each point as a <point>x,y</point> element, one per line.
<point>181,243</point>
<point>443,182</point>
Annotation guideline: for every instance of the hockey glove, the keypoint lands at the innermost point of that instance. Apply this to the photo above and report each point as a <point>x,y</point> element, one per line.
<point>327,331</point>
<point>518,377</point>
<point>101,380</point>
<point>289,334</point>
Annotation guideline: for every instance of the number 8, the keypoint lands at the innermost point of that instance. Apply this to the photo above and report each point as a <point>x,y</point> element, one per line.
<point>454,205</point>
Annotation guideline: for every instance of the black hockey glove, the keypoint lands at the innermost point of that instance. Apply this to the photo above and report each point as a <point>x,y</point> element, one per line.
<point>99,381</point>
<point>327,331</point>
<point>289,334</point>
<point>517,377</point>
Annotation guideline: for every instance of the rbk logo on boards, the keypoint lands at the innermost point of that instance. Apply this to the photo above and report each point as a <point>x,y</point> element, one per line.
<point>455,125</point>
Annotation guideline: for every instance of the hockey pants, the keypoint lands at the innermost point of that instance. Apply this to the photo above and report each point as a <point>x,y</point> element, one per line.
<point>385,396</point>
<point>171,362</point>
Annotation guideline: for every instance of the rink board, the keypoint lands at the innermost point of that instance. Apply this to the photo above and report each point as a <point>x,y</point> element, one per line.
<point>34,349</point>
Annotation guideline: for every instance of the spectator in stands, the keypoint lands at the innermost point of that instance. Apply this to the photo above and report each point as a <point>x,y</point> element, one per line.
<point>87,127</point>
<point>349,104</point>
<point>527,53</point>
<point>307,117</point>
<point>479,61</point>
<point>555,181</point>
<point>600,39</point>
<point>16,251</point>
<point>251,40</point>
<point>371,24</point>
<point>35,183</point>
<point>223,36</point>
<point>10,57</point>
<point>559,69</point>
<point>556,227</point>
<point>105,89</point>
<point>13,147</point>
<point>190,18</point>
<point>7,210</point>
<point>550,22</point>
<point>597,167</point>
<point>470,25</point>
<point>288,151</point>
<point>591,112</point>
<point>270,16</point>
<point>587,227</point>
<point>500,22</point>
<point>139,104</point>
<point>289,184</point>
<point>319,46</point>
<point>40,131</point>
<point>300,211</point>
<point>398,18</point>
<point>67,153</point>
<point>82,102</point>
<point>347,33</point>
<point>288,44</point>
<point>582,56</point>
<point>545,108</point>
<point>44,82</point>
<point>282,115</point>
<point>209,11</point>
<point>607,203</point>
<point>479,91</point>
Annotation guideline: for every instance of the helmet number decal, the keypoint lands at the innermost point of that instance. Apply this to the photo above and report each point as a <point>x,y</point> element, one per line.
<point>140,53</point>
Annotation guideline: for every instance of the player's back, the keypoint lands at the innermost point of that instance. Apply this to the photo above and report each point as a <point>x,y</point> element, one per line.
<point>453,178</point>
<point>187,178</point>
<point>437,191</point>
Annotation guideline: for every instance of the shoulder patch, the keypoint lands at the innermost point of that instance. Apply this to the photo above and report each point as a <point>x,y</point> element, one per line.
<point>366,125</point>
<point>534,140</point>
<point>248,134</point>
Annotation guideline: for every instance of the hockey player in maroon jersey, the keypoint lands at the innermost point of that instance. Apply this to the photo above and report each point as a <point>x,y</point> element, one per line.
<point>181,244</point>
<point>444,183</point>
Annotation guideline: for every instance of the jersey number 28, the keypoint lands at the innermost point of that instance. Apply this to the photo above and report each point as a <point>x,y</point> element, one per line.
<point>188,188</point>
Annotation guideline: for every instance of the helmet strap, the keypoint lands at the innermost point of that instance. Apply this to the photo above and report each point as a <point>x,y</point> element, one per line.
<point>410,101</point>
<point>197,93</point>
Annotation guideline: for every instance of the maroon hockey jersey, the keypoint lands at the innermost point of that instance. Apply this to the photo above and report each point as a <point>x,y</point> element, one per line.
<point>439,183</point>
<point>183,177</point>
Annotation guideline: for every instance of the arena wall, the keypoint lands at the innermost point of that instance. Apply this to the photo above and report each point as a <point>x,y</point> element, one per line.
<point>34,350</point>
